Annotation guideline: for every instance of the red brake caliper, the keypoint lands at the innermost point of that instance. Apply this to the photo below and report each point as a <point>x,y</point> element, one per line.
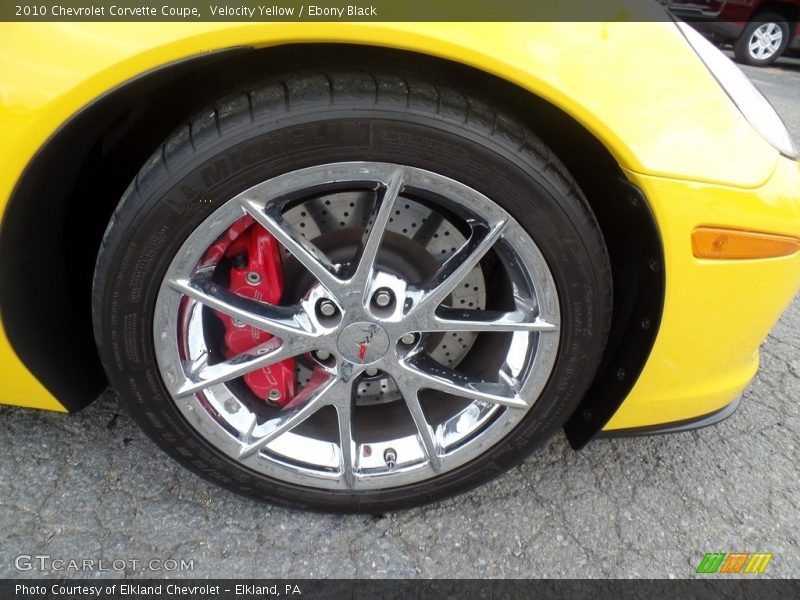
<point>255,273</point>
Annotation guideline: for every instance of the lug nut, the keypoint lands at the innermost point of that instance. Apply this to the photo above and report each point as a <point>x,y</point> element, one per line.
<point>327,308</point>
<point>390,458</point>
<point>253,277</point>
<point>408,339</point>
<point>371,372</point>
<point>383,298</point>
<point>323,355</point>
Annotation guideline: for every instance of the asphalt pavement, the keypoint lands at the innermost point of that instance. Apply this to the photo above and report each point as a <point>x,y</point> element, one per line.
<point>92,486</point>
<point>781,84</point>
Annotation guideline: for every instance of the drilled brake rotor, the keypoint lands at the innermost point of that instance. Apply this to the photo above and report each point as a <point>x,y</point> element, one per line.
<point>339,219</point>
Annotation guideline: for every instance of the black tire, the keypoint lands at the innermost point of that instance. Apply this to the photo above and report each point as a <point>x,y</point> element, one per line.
<point>349,115</point>
<point>741,47</point>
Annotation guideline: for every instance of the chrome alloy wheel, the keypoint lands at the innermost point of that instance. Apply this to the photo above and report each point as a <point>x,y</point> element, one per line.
<point>765,41</point>
<point>372,300</point>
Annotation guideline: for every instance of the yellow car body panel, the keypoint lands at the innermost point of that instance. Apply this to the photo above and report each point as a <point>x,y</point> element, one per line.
<point>716,312</point>
<point>20,387</point>
<point>672,129</point>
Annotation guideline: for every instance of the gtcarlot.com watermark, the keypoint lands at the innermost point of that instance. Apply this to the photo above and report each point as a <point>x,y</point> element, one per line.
<point>50,564</point>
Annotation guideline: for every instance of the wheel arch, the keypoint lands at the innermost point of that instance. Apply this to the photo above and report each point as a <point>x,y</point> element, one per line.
<point>86,165</point>
<point>791,12</point>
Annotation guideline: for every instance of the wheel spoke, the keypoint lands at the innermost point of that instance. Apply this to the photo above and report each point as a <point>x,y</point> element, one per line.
<point>431,375</point>
<point>346,443</point>
<point>455,319</point>
<point>311,398</point>
<point>373,236</point>
<point>304,251</point>
<point>263,355</point>
<point>278,320</point>
<point>458,266</point>
<point>410,393</point>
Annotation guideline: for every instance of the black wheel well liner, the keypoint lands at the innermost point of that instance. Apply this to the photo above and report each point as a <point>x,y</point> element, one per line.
<point>790,11</point>
<point>47,252</point>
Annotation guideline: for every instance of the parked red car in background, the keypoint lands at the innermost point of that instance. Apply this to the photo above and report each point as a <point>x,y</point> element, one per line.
<point>760,30</point>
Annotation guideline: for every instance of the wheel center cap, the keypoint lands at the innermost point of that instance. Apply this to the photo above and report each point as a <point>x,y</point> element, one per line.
<point>363,343</point>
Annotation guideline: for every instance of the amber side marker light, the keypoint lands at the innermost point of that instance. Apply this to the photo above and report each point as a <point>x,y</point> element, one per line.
<point>716,242</point>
